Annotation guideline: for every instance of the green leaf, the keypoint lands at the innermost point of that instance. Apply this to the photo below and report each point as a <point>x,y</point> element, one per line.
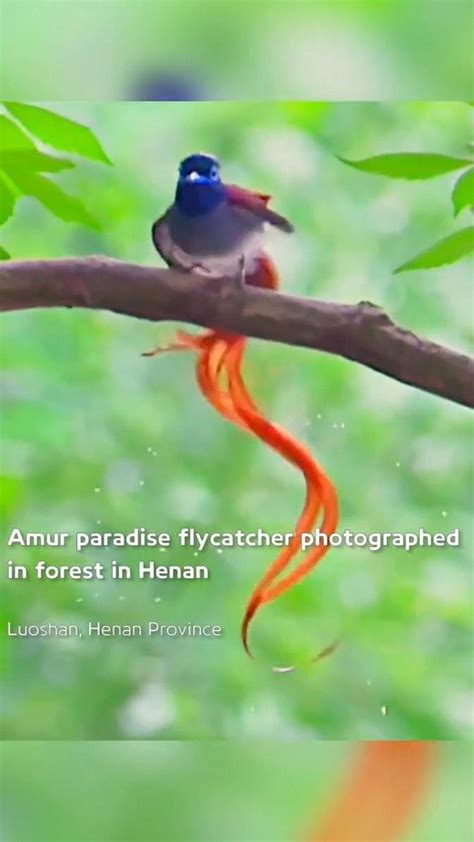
<point>410,165</point>
<point>7,201</point>
<point>57,131</point>
<point>4,254</point>
<point>53,198</point>
<point>31,159</point>
<point>12,137</point>
<point>449,250</point>
<point>463,193</point>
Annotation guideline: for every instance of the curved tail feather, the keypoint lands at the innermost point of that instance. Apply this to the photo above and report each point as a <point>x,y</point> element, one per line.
<point>219,377</point>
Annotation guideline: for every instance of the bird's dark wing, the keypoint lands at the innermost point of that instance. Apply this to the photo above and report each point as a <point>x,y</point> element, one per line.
<point>164,245</point>
<point>257,203</point>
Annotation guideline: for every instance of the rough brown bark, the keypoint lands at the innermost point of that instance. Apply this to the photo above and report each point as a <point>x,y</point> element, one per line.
<point>360,332</point>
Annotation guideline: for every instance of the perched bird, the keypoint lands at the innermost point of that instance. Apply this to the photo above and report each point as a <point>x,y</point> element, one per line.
<point>217,229</point>
<point>213,228</point>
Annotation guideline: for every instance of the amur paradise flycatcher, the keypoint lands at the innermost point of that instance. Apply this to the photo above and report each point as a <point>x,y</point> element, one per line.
<point>217,230</point>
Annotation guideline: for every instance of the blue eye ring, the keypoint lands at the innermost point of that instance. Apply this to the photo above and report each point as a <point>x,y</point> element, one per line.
<point>214,173</point>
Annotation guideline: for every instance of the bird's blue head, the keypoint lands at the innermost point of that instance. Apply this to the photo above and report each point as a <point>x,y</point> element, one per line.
<point>199,189</point>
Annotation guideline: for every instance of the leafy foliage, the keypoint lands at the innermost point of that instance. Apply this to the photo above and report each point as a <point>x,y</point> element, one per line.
<point>463,192</point>
<point>53,197</point>
<point>424,165</point>
<point>7,199</point>
<point>58,132</point>
<point>31,159</point>
<point>12,136</point>
<point>409,165</point>
<point>22,162</point>
<point>448,250</point>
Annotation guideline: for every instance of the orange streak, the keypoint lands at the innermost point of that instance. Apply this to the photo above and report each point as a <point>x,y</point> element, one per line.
<point>319,491</point>
<point>218,374</point>
<point>382,794</point>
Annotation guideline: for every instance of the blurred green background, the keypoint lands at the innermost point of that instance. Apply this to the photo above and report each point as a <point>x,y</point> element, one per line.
<point>176,792</point>
<point>263,49</point>
<point>97,438</point>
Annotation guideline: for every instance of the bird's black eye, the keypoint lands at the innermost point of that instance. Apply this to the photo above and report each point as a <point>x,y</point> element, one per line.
<point>214,173</point>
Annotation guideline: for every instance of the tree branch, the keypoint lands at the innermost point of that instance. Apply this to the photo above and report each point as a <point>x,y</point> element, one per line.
<point>360,332</point>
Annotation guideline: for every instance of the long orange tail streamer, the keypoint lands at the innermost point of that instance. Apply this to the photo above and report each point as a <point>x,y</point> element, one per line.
<point>382,794</point>
<point>218,373</point>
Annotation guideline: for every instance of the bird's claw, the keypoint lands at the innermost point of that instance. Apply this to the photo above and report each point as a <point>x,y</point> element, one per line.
<point>160,349</point>
<point>184,342</point>
<point>240,277</point>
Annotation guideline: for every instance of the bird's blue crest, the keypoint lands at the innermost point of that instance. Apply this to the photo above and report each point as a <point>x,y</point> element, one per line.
<point>200,163</point>
<point>199,188</point>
